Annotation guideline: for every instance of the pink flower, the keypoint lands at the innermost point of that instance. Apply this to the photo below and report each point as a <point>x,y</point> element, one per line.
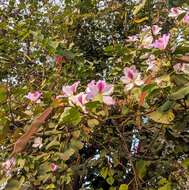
<point>34,97</point>
<point>181,67</point>
<point>156,29</point>
<point>152,63</point>
<point>133,38</point>
<point>54,167</point>
<point>70,90</point>
<point>8,165</point>
<point>100,91</point>
<point>175,12</point>
<point>186,18</point>
<point>131,78</point>
<point>37,142</point>
<point>147,41</point>
<point>80,100</point>
<point>162,42</point>
<point>146,28</point>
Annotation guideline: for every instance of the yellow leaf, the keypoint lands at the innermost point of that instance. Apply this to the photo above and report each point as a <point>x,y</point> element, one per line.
<point>92,122</point>
<point>162,117</point>
<point>139,20</point>
<point>123,187</point>
<point>137,8</point>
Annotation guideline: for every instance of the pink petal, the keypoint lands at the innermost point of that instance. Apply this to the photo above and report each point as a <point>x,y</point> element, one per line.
<point>101,85</point>
<point>129,87</point>
<point>162,42</point>
<point>133,38</point>
<point>138,81</point>
<point>156,29</point>
<point>67,91</point>
<point>175,12</point>
<point>74,86</point>
<point>33,96</point>
<point>108,89</point>
<point>91,90</point>
<point>186,18</point>
<point>70,90</point>
<point>108,100</point>
<point>54,167</point>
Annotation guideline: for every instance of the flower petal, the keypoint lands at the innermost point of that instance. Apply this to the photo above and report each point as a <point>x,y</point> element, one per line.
<point>108,100</point>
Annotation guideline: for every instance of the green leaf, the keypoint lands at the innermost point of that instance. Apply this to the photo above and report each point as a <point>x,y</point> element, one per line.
<point>162,117</point>
<point>166,106</point>
<point>104,172</point>
<point>92,122</point>
<point>44,168</point>
<point>70,116</point>
<point>51,186</point>
<point>137,8</point>
<point>52,144</point>
<point>67,154</point>
<point>76,144</point>
<point>162,181</point>
<point>76,134</point>
<point>185,163</point>
<point>110,180</point>
<point>125,110</point>
<point>66,53</point>
<point>21,162</point>
<point>13,185</point>
<point>179,80</point>
<point>3,93</point>
<point>123,187</point>
<point>93,106</point>
<point>141,167</point>
<point>180,94</point>
<point>166,187</point>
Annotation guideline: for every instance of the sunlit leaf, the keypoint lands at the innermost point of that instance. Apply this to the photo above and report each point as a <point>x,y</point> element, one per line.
<point>123,187</point>
<point>162,117</point>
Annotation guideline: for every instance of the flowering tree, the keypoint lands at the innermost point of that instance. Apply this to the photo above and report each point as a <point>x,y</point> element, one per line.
<point>94,95</point>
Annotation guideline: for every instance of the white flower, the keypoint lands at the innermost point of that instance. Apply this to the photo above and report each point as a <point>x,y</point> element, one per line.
<point>37,142</point>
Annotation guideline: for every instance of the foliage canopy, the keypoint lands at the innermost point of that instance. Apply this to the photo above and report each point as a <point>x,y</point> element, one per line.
<point>130,132</point>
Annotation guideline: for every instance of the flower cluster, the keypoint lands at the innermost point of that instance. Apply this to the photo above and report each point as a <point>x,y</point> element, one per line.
<point>177,11</point>
<point>147,40</point>
<point>95,91</point>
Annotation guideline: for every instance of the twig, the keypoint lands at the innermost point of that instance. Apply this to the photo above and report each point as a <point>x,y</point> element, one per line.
<point>130,159</point>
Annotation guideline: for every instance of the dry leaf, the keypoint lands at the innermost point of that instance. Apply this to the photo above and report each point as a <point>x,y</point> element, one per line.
<point>23,140</point>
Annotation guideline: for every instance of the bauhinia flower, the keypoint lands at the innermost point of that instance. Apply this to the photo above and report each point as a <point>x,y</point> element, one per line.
<point>152,63</point>
<point>133,38</point>
<point>186,18</point>
<point>162,42</point>
<point>8,165</point>
<point>181,67</point>
<point>80,100</point>
<point>156,29</point>
<point>146,41</point>
<point>34,96</point>
<point>100,91</point>
<point>54,167</point>
<point>175,12</point>
<point>70,90</point>
<point>131,78</point>
<point>37,142</point>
